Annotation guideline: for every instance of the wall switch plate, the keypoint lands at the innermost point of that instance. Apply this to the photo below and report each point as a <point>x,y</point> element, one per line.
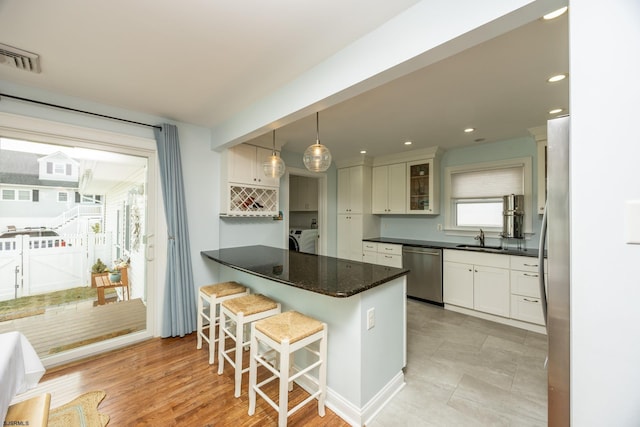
<point>371,318</point>
<point>439,227</point>
<point>632,222</point>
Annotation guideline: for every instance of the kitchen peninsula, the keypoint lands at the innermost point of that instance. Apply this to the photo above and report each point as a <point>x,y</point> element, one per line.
<point>363,304</point>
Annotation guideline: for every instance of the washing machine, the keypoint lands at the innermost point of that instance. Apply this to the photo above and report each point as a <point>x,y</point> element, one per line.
<point>303,240</point>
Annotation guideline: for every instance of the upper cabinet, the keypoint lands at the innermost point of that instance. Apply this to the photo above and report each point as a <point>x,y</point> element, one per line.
<point>246,191</point>
<point>352,190</point>
<point>388,192</point>
<point>540,135</point>
<point>244,163</point>
<point>407,183</point>
<point>423,193</point>
<point>303,193</point>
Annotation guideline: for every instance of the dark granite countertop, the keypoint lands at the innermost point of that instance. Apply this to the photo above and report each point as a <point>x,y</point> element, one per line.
<point>316,273</point>
<point>449,245</point>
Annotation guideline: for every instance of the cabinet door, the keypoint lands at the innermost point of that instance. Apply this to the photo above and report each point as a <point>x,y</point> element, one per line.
<point>262,155</point>
<point>397,184</point>
<point>350,237</point>
<point>380,190</point>
<point>370,257</point>
<point>344,191</point>
<point>491,291</point>
<point>420,187</point>
<point>458,284</point>
<point>356,183</point>
<point>390,260</point>
<point>295,204</point>
<point>310,198</point>
<point>242,160</point>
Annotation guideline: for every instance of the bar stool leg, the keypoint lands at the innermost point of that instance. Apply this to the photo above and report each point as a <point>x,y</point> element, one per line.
<point>284,384</point>
<point>200,322</point>
<point>253,370</point>
<point>238,354</point>
<point>322,373</point>
<point>222,338</point>
<point>212,332</point>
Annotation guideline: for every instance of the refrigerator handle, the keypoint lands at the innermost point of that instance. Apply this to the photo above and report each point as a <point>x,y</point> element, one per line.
<point>543,242</point>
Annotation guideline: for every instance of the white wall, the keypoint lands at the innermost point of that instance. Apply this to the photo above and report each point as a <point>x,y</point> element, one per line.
<point>605,151</point>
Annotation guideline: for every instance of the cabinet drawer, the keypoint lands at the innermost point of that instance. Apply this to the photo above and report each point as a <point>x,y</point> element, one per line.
<point>526,263</point>
<point>389,260</point>
<point>525,283</point>
<point>369,247</point>
<point>385,248</point>
<point>526,309</point>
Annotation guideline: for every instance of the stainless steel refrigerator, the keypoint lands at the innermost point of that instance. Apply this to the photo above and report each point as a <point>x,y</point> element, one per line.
<point>556,232</point>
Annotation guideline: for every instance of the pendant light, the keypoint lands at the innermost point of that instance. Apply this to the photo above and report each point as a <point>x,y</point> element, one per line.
<point>317,157</point>
<point>274,166</point>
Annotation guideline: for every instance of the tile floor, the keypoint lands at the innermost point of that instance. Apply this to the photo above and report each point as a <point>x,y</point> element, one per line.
<point>466,371</point>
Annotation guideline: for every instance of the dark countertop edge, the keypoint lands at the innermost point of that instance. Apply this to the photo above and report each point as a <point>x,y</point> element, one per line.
<point>401,273</point>
<point>532,253</point>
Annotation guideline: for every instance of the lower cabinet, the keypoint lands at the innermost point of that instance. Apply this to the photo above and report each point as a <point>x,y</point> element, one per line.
<point>526,304</point>
<point>477,281</point>
<point>382,254</point>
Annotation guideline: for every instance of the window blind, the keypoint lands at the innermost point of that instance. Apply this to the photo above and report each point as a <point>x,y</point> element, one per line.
<point>487,183</point>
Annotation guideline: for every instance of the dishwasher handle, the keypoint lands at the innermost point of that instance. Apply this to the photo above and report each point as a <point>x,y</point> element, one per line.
<point>420,251</point>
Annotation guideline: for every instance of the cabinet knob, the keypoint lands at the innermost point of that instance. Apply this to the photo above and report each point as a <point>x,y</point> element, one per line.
<point>470,270</point>
<point>476,271</point>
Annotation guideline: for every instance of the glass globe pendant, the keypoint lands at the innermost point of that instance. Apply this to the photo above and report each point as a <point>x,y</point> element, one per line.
<point>274,166</point>
<point>317,157</point>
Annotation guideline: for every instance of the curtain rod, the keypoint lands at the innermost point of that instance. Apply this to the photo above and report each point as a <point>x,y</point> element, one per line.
<point>78,111</point>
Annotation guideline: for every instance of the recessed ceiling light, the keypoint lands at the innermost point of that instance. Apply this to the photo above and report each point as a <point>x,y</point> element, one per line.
<point>556,111</point>
<point>408,143</point>
<point>555,13</point>
<point>363,151</point>
<point>469,130</point>
<point>556,78</point>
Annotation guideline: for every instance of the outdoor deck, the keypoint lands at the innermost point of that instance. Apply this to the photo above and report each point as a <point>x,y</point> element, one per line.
<point>73,325</point>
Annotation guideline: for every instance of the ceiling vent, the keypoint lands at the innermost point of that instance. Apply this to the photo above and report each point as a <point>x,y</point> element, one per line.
<point>20,59</point>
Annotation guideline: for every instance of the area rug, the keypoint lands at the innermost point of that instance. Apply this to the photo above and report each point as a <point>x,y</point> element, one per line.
<point>80,412</point>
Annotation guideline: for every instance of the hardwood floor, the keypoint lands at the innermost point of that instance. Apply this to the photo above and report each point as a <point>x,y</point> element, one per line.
<point>167,382</point>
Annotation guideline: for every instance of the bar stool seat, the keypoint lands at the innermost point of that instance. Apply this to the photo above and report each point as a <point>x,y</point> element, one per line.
<point>210,297</point>
<point>240,312</point>
<point>285,334</point>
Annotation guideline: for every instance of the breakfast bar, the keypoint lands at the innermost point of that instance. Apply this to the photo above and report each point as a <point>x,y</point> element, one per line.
<point>364,306</point>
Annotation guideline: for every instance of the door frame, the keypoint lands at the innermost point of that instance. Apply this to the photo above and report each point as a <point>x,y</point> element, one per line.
<point>322,206</point>
<point>52,132</point>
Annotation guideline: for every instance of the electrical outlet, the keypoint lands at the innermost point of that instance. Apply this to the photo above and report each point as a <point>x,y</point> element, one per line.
<point>439,227</point>
<point>371,318</point>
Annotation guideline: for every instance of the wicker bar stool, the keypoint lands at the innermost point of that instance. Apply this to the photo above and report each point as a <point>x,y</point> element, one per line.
<point>285,334</point>
<point>239,312</point>
<point>209,298</point>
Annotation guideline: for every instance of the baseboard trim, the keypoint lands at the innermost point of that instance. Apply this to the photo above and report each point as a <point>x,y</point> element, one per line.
<point>511,322</point>
<point>348,411</point>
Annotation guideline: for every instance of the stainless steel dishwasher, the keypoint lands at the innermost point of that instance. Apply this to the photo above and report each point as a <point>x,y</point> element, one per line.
<point>424,281</point>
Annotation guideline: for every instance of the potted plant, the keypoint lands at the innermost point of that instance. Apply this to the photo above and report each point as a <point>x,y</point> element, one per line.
<point>115,273</point>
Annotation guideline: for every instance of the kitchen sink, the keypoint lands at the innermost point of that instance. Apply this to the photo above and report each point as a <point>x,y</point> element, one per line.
<point>481,248</point>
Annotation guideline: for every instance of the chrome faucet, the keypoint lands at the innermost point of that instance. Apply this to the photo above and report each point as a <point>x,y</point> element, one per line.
<point>480,237</point>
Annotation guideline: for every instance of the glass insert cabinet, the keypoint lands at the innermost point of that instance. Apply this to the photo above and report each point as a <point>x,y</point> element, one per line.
<point>423,197</point>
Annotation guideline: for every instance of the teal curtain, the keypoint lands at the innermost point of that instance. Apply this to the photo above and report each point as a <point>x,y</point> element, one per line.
<point>179,308</point>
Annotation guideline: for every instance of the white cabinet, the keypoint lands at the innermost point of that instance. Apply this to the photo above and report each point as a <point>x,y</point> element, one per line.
<point>423,195</point>
<point>389,189</point>
<point>491,290</point>
<point>244,163</point>
<point>351,189</point>
<point>526,304</point>
<point>457,279</point>
<point>386,254</point>
<point>303,193</point>
<point>479,281</point>
<point>350,237</point>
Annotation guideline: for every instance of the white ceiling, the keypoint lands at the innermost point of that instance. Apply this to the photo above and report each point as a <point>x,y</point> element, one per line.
<point>202,62</point>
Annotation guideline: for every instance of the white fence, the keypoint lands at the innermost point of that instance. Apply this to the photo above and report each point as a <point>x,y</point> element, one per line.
<point>37,265</point>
